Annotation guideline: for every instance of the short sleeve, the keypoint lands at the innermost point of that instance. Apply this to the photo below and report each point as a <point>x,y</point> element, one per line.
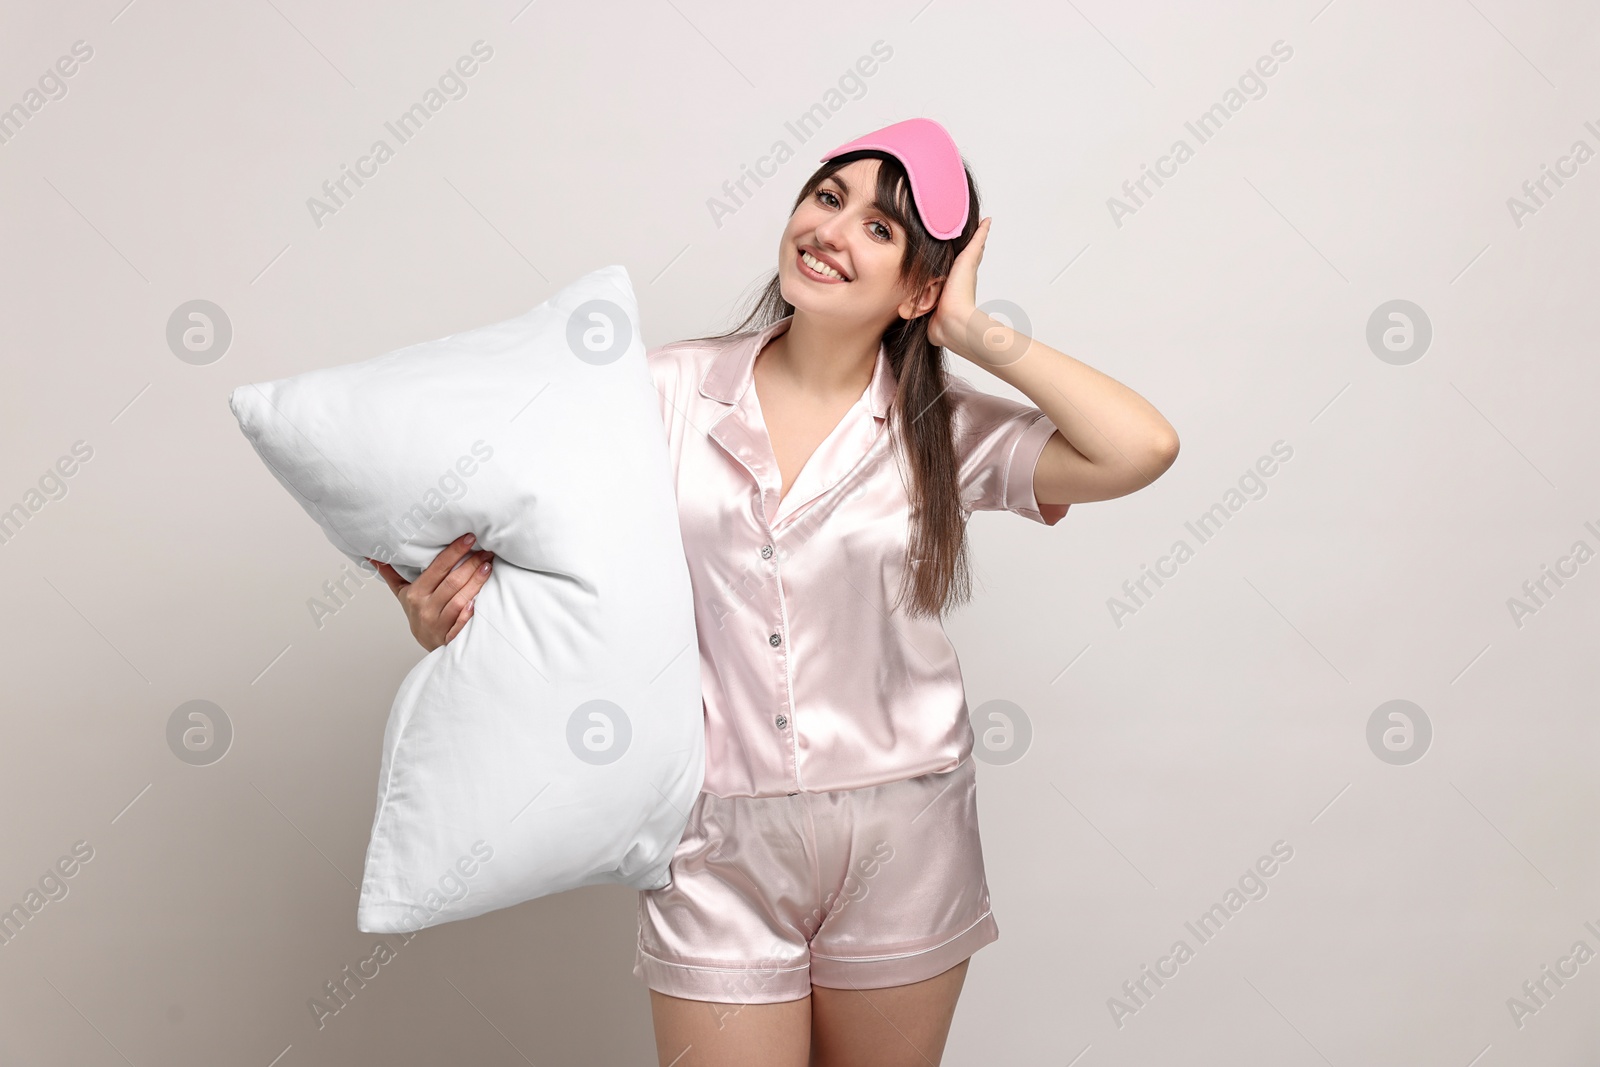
<point>998,442</point>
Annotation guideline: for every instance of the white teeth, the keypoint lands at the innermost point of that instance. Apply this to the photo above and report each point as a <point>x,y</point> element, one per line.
<point>820,267</point>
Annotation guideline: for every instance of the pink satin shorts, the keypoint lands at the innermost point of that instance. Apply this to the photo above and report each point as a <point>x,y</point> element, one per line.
<point>855,889</point>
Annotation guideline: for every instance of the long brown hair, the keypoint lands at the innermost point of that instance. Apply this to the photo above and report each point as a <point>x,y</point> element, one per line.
<point>938,569</point>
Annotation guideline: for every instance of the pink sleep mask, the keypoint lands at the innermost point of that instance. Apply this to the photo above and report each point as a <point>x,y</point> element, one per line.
<point>933,164</point>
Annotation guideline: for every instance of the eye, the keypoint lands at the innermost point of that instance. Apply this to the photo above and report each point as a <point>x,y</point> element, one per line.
<point>882,231</point>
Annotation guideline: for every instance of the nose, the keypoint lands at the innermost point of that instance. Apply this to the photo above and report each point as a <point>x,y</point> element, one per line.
<point>830,231</point>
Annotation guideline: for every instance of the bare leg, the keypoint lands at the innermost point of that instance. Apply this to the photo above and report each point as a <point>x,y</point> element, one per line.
<point>703,1033</point>
<point>897,1026</point>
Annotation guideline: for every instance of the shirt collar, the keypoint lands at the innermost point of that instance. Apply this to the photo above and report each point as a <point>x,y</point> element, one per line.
<point>732,370</point>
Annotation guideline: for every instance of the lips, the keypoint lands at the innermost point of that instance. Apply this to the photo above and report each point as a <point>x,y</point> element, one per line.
<point>829,260</point>
<point>820,257</point>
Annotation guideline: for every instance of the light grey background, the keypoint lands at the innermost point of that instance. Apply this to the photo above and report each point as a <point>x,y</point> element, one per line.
<point>1169,751</point>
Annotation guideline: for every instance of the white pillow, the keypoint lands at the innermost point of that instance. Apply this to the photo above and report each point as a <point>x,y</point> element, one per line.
<point>558,740</point>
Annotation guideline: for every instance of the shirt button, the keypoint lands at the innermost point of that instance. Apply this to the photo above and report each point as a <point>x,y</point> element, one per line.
<point>774,640</point>
<point>766,551</point>
<point>782,721</point>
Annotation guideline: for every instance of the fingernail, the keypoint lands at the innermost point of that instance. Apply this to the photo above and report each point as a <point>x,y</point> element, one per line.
<point>470,538</point>
<point>483,568</point>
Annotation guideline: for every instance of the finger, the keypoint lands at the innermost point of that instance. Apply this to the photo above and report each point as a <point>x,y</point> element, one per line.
<point>465,602</point>
<point>981,238</point>
<point>447,597</point>
<point>461,620</point>
<point>443,564</point>
<point>968,259</point>
<point>391,577</point>
<point>469,588</point>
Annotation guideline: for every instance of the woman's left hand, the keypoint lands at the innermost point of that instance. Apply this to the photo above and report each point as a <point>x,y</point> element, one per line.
<point>958,299</point>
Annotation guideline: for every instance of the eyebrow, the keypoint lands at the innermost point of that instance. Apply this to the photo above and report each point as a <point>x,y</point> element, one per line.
<point>846,187</point>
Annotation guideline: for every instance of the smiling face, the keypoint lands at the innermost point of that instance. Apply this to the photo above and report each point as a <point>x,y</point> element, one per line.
<point>841,253</point>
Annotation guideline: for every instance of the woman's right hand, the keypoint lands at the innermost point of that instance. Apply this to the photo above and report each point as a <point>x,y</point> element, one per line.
<point>439,603</point>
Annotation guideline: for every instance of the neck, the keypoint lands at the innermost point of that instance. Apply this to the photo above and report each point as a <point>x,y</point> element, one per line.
<point>825,356</point>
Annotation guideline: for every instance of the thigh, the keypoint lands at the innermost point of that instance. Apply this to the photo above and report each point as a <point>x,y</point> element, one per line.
<point>888,1027</point>
<point>703,1033</point>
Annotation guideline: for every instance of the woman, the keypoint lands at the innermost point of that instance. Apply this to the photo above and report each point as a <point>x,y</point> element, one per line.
<point>829,889</point>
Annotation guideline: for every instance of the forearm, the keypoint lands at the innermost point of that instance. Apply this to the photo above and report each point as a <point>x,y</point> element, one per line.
<point>1108,423</point>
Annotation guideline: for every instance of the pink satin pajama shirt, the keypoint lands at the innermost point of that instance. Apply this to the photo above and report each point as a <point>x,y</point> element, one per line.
<point>812,681</point>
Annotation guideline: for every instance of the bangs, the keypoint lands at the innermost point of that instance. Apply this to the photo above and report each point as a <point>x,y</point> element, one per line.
<point>892,194</point>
